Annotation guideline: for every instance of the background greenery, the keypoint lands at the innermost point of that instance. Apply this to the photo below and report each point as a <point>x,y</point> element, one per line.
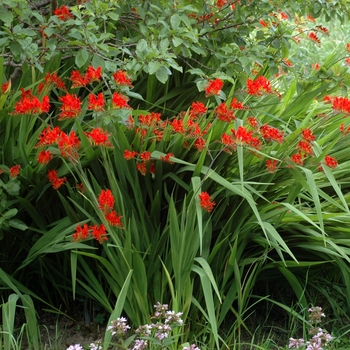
<point>274,241</point>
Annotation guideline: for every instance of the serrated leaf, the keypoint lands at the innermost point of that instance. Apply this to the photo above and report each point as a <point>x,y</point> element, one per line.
<point>177,41</point>
<point>81,58</point>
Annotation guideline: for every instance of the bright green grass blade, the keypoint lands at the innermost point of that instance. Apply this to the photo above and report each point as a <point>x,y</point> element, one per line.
<point>8,319</point>
<point>31,320</point>
<point>117,309</point>
<point>209,302</point>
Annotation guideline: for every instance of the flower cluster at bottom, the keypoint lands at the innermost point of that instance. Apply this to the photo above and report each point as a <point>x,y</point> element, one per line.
<point>319,338</point>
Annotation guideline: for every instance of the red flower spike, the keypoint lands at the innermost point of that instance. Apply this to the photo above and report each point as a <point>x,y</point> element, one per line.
<point>347,47</point>
<point>55,180</point>
<point>223,113</point>
<point>271,165</point>
<point>152,168</point>
<point>14,171</point>
<point>106,201</point>
<point>71,106</point>
<point>120,101</point>
<point>114,219</point>
<point>29,104</point>
<point>237,105</point>
<point>197,109</point>
<point>305,148</point>
<point>68,145</point>
<point>308,135</point>
<point>205,202</point>
<point>49,136</point>
<point>99,233</point>
<point>263,23</point>
<point>178,126</point>
<point>81,233</point>
<point>145,156</point>
<point>253,122</point>
<point>297,158</point>
<point>313,36</point>
<point>96,103</point>
<point>141,167</point>
<point>99,137</point>
<point>44,157</point>
<point>63,13</point>
<point>259,86</point>
<point>310,18</point>
<point>213,87</point>
<point>270,133</point>
<point>93,74</point>
<point>121,78</point>
<point>330,161</point>
<point>166,158</point>
<point>220,4</point>
<point>200,144</point>
<point>5,88</point>
<point>128,155</point>
<point>78,79</point>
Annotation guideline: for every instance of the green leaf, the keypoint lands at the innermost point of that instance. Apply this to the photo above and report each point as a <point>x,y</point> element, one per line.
<point>175,21</point>
<point>6,17</point>
<point>163,74</point>
<point>81,58</point>
<point>20,225</point>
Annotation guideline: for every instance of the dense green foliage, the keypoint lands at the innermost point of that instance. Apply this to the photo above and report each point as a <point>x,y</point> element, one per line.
<point>277,220</point>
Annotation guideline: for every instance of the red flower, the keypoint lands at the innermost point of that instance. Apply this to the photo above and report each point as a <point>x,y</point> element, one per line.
<point>128,155</point>
<point>14,170</point>
<point>145,156</point>
<point>71,106</point>
<point>258,86</point>
<point>99,137</point>
<point>5,88</point>
<point>253,122</point>
<point>305,147</point>
<point>44,157</point>
<point>330,161</point>
<point>141,167</point>
<point>149,120</point>
<point>197,109</point>
<point>81,233</point>
<point>214,87</point>
<point>99,233</point>
<point>323,30</point>
<point>315,66</point>
<point>283,15</point>
<point>29,104</point>
<point>178,126</point>
<point>93,74</point>
<point>68,145</point>
<point>221,3</point>
<point>55,180</point>
<point>52,78</point>
<point>166,158</point>
<point>122,78</point>
<point>270,133</point>
<point>242,135</point>
<point>347,47</point>
<point>237,105</point>
<point>96,103</point>
<point>263,23</point>
<point>205,202</point>
<point>313,36</point>
<point>49,136</point>
<point>63,13</point>
<point>310,18</point>
<point>308,135</point>
<point>114,219</point>
<point>341,104</point>
<point>119,101</point>
<point>271,165</point>
<point>200,144</point>
<point>347,61</point>
<point>223,113</point>
<point>106,201</point>
<point>297,158</point>
<point>78,79</point>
